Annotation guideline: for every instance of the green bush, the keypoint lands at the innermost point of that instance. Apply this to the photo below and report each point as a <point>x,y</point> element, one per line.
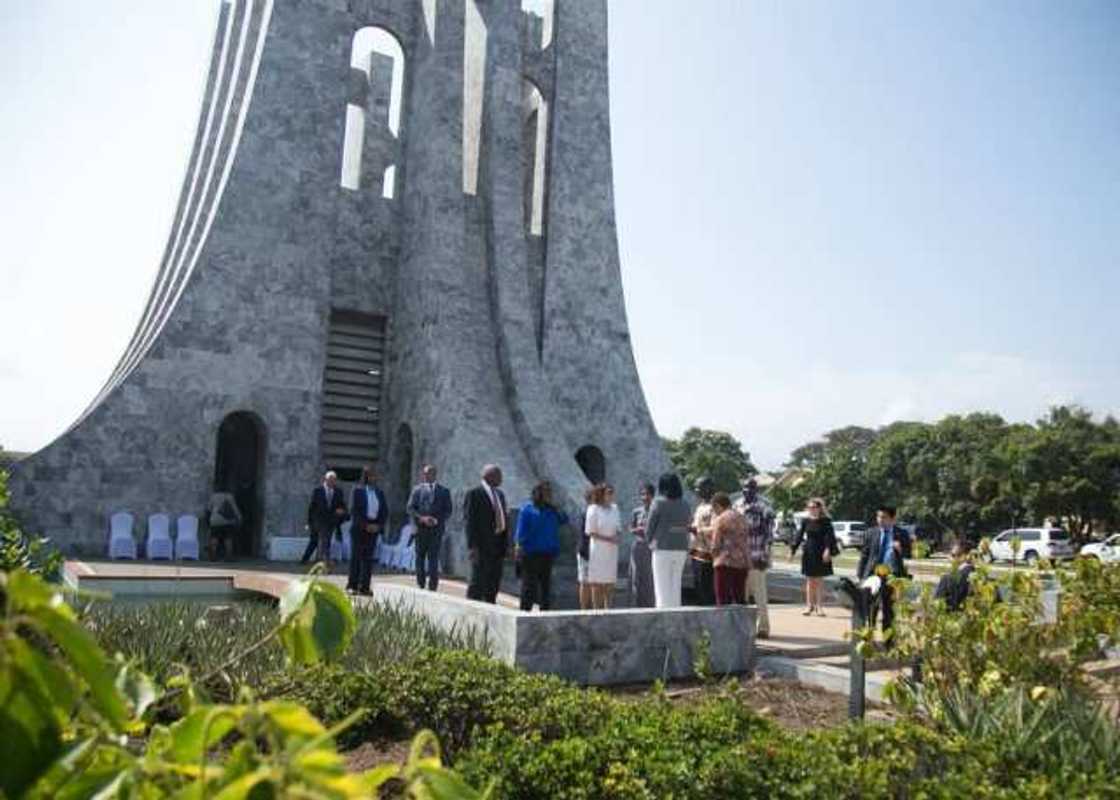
<point>996,672</point>
<point>539,737</point>
<point>453,693</point>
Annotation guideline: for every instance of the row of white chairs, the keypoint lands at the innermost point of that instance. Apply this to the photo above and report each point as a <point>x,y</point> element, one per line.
<point>400,555</point>
<point>158,543</point>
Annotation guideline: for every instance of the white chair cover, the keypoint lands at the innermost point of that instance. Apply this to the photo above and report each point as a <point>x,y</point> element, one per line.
<point>121,543</point>
<point>347,541</point>
<point>186,537</point>
<point>387,552</point>
<point>159,537</point>
<point>337,544</point>
<point>405,550</point>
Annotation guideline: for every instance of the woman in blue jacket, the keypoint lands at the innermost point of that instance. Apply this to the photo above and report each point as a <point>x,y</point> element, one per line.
<point>537,543</point>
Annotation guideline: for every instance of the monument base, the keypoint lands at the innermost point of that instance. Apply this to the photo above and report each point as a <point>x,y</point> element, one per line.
<point>598,648</point>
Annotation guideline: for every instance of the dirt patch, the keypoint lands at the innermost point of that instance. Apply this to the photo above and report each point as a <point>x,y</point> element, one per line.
<point>792,705</point>
<point>373,754</point>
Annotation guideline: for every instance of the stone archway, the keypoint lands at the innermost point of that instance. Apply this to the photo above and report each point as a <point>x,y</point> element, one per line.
<point>593,463</point>
<point>239,469</point>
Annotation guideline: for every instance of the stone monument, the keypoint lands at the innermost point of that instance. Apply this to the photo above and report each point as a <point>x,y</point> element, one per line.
<point>395,244</point>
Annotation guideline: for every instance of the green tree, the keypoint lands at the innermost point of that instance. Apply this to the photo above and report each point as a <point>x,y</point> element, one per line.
<point>716,454</point>
<point>1073,467</point>
<point>813,453</point>
<point>841,479</point>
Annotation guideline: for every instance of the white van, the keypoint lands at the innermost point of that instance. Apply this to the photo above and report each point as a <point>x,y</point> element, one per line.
<point>1035,543</point>
<point>850,534</point>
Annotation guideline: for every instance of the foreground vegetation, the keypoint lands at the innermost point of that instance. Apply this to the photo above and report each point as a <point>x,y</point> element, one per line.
<point>165,701</point>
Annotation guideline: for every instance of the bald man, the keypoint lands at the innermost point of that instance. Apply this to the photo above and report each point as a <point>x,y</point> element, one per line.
<point>487,523</point>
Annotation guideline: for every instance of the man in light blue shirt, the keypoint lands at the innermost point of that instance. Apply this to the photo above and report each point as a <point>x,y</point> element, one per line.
<point>888,545</point>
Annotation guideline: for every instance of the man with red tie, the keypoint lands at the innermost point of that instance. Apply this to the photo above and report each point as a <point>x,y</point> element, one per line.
<point>487,535</point>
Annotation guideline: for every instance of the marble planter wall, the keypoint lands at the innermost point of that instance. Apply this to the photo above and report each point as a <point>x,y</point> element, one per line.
<point>595,647</point>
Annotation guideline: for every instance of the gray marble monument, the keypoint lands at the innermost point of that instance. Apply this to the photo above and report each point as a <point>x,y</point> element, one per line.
<point>395,244</point>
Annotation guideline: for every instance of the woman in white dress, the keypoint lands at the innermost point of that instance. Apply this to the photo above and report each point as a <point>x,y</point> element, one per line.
<point>602,525</point>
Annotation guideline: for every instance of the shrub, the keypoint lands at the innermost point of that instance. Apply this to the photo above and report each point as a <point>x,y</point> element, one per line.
<point>637,750</point>
<point>162,637</point>
<point>539,737</point>
<point>998,641</point>
<point>453,693</point>
<point>996,672</point>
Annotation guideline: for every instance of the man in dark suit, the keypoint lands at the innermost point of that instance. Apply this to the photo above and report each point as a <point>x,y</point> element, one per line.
<point>368,513</point>
<point>325,512</point>
<point>487,518</point>
<point>429,506</point>
<point>888,545</point>
<point>954,586</point>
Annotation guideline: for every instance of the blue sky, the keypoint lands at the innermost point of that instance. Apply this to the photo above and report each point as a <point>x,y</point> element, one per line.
<point>829,212</point>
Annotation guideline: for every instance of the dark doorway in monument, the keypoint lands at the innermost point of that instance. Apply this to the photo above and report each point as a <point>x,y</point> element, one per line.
<point>401,471</point>
<point>591,461</point>
<point>239,469</point>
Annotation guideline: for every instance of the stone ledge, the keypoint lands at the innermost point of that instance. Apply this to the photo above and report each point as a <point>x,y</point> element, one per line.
<point>594,647</point>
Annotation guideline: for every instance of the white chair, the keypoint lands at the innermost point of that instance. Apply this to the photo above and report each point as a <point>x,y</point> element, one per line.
<point>338,546</point>
<point>347,541</point>
<point>404,553</point>
<point>186,537</point>
<point>382,551</point>
<point>409,556</point>
<point>121,543</point>
<point>386,554</point>
<point>159,537</point>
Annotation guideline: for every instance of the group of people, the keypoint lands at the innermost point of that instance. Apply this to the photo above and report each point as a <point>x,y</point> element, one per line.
<point>886,545</point>
<point>727,545</point>
<point>429,507</point>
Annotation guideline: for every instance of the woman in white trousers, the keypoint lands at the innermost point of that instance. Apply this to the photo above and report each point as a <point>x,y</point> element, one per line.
<point>667,534</point>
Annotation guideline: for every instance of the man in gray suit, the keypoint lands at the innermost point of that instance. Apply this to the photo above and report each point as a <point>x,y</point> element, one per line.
<point>429,506</point>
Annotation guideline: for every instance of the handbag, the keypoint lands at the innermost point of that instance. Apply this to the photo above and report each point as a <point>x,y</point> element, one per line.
<point>585,546</point>
<point>227,511</point>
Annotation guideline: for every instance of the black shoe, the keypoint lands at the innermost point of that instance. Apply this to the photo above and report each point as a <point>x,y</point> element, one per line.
<point>365,593</point>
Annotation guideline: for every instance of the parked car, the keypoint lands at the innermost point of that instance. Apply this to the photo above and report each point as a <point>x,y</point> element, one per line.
<point>1107,551</point>
<point>849,534</point>
<point>934,539</point>
<point>1035,543</point>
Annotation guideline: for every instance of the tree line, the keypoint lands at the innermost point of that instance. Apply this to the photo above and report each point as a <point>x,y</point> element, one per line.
<point>970,476</point>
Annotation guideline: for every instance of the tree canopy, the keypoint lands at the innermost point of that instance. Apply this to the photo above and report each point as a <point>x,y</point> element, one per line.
<point>971,475</point>
<point>714,454</point>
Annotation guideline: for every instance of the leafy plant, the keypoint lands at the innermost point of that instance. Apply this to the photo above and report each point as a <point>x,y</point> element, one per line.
<point>66,712</point>
<point>997,671</point>
<point>702,657</point>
